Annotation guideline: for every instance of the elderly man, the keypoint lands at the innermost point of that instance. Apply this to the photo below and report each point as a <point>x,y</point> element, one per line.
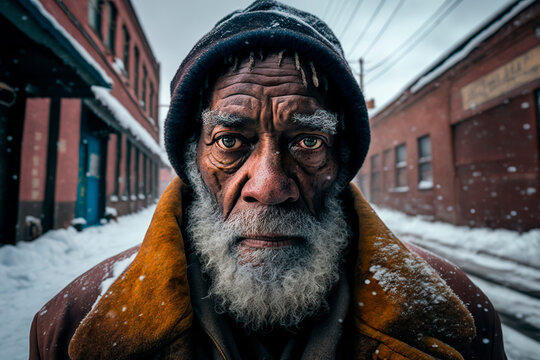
<point>261,249</point>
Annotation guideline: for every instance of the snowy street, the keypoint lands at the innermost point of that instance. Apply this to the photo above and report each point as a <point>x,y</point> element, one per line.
<point>502,263</point>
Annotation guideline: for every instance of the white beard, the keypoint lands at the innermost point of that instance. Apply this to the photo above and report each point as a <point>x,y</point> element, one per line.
<point>273,286</point>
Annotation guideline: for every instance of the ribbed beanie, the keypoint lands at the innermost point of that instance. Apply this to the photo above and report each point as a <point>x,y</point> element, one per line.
<point>267,25</point>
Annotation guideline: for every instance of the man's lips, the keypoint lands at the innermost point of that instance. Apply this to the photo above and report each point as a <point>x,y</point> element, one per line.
<point>268,241</point>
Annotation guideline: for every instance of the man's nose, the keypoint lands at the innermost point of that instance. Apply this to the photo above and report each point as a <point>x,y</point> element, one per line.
<point>268,183</point>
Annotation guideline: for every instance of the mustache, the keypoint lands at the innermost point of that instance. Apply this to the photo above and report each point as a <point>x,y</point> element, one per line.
<point>284,220</point>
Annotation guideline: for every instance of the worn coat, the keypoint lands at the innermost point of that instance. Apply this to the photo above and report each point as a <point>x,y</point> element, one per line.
<point>404,303</point>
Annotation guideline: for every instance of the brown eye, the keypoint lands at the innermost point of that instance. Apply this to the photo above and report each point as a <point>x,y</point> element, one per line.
<point>229,142</point>
<point>311,142</point>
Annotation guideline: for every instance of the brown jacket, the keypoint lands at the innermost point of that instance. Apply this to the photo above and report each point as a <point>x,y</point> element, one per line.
<point>405,303</point>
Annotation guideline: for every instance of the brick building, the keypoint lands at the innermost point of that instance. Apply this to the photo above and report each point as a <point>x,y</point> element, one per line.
<point>78,107</point>
<point>461,143</point>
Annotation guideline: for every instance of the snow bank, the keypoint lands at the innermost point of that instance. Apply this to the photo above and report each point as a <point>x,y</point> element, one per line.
<point>524,248</point>
<point>33,272</point>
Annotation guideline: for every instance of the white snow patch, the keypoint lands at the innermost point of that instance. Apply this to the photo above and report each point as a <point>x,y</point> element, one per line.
<point>111,211</point>
<point>425,185</point>
<point>399,189</point>
<point>78,221</point>
<point>119,67</point>
<point>522,247</point>
<point>118,268</point>
<point>127,121</point>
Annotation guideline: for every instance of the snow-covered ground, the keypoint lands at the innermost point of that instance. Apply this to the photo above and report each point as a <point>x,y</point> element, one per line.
<point>33,272</point>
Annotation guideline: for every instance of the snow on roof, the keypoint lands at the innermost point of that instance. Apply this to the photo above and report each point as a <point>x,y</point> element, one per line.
<point>461,50</point>
<point>127,121</point>
<point>80,49</point>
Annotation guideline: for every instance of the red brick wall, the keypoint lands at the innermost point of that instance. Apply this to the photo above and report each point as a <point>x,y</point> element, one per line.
<point>497,166</point>
<point>123,88</point>
<point>67,167</point>
<point>33,167</point>
<point>34,150</point>
<point>111,164</point>
<point>165,177</point>
<point>472,150</point>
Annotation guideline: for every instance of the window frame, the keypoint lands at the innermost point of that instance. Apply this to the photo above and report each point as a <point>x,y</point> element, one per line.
<point>400,166</point>
<point>110,41</point>
<point>126,49</point>
<point>144,80</point>
<point>136,71</point>
<point>95,16</point>
<point>423,161</point>
<point>375,177</point>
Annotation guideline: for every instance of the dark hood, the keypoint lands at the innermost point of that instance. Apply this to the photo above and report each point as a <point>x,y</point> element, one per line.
<point>265,24</point>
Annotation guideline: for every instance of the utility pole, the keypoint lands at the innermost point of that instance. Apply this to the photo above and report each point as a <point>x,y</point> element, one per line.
<point>361,60</point>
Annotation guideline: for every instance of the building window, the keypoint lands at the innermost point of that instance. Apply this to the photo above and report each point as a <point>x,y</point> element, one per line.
<point>388,180</point>
<point>125,58</point>
<point>94,15</point>
<point>137,175</point>
<point>375,181</point>
<point>401,168</point>
<point>127,186</point>
<point>143,97</point>
<point>425,175</point>
<point>111,32</point>
<point>117,165</point>
<point>151,102</point>
<point>136,70</point>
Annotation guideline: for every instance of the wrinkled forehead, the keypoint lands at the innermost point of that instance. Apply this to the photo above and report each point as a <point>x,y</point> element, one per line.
<point>272,74</point>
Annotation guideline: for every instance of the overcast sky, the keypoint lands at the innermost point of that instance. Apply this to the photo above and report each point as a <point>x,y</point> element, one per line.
<point>174,26</point>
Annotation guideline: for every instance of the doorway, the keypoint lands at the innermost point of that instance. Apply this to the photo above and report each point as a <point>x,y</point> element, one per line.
<point>90,204</point>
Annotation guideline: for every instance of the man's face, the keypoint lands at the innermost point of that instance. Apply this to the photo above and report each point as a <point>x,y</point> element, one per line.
<point>261,144</point>
<point>266,220</point>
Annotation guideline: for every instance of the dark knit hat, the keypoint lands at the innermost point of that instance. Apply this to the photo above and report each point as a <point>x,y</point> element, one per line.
<point>265,24</point>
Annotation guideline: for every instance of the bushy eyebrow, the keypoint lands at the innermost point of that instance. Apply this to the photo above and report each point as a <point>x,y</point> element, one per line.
<point>212,118</point>
<point>320,120</point>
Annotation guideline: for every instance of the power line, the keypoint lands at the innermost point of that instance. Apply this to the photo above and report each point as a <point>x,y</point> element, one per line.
<point>332,10</point>
<point>383,29</point>
<point>381,4</point>
<point>418,31</point>
<point>338,13</point>
<point>422,36</point>
<point>328,5</point>
<point>353,15</point>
